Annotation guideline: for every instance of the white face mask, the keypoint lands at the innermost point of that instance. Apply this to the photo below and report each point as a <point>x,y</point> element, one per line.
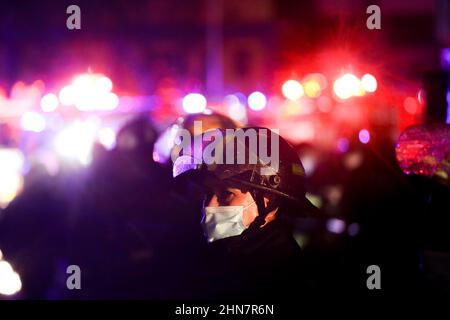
<point>223,221</point>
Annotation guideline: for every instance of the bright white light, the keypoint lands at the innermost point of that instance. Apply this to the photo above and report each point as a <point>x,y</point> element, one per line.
<point>236,110</point>
<point>87,103</point>
<point>104,84</point>
<point>76,141</point>
<point>111,101</point>
<point>67,95</point>
<point>10,282</point>
<point>5,267</point>
<point>32,121</point>
<point>107,137</point>
<point>11,160</point>
<point>49,102</point>
<point>10,185</point>
<point>257,101</point>
<point>84,82</point>
<point>292,90</point>
<point>90,92</point>
<point>194,103</point>
<point>369,83</point>
<point>348,86</point>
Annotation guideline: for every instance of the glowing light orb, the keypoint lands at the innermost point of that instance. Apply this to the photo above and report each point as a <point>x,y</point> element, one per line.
<point>312,88</point>
<point>107,137</point>
<point>67,95</point>
<point>369,83</point>
<point>364,136</point>
<point>347,86</point>
<point>33,121</point>
<point>194,103</point>
<point>49,102</point>
<point>10,282</point>
<point>292,90</point>
<point>257,101</point>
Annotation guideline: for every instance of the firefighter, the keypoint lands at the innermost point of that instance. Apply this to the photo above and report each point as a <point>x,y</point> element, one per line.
<point>248,206</point>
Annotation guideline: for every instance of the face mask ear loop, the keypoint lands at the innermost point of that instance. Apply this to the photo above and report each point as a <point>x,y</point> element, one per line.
<point>249,205</point>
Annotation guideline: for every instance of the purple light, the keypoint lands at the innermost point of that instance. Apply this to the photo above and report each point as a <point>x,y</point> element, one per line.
<point>447,120</point>
<point>353,229</point>
<point>336,226</point>
<point>342,145</point>
<point>445,58</point>
<point>364,136</point>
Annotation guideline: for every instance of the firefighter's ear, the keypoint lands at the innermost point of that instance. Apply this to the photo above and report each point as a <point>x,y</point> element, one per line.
<point>271,209</point>
<point>271,202</point>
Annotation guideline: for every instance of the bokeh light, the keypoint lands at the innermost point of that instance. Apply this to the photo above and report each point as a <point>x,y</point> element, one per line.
<point>11,179</point>
<point>348,86</point>
<point>76,140</point>
<point>10,282</point>
<point>33,121</point>
<point>353,229</point>
<point>342,145</point>
<point>292,108</point>
<point>336,226</point>
<point>411,105</point>
<point>292,90</point>
<point>194,103</point>
<point>369,83</point>
<point>49,102</point>
<point>236,110</point>
<point>103,84</point>
<point>107,137</point>
<point>89,92</point>
<point>257,101</point>
<point>67,95</point>
<point>110,101</point>
<point>312,88</point>
<point>364,136</point>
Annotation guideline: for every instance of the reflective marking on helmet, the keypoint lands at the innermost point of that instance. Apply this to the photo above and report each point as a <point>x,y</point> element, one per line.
<point>298,170</point>
<point>183,164</point>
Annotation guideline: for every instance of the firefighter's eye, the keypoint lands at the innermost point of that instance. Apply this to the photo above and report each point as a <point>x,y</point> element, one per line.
<point>225,195</point>
<point>207,197</point>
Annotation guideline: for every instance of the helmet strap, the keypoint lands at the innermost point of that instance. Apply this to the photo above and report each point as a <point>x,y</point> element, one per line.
<point>262,209</point>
